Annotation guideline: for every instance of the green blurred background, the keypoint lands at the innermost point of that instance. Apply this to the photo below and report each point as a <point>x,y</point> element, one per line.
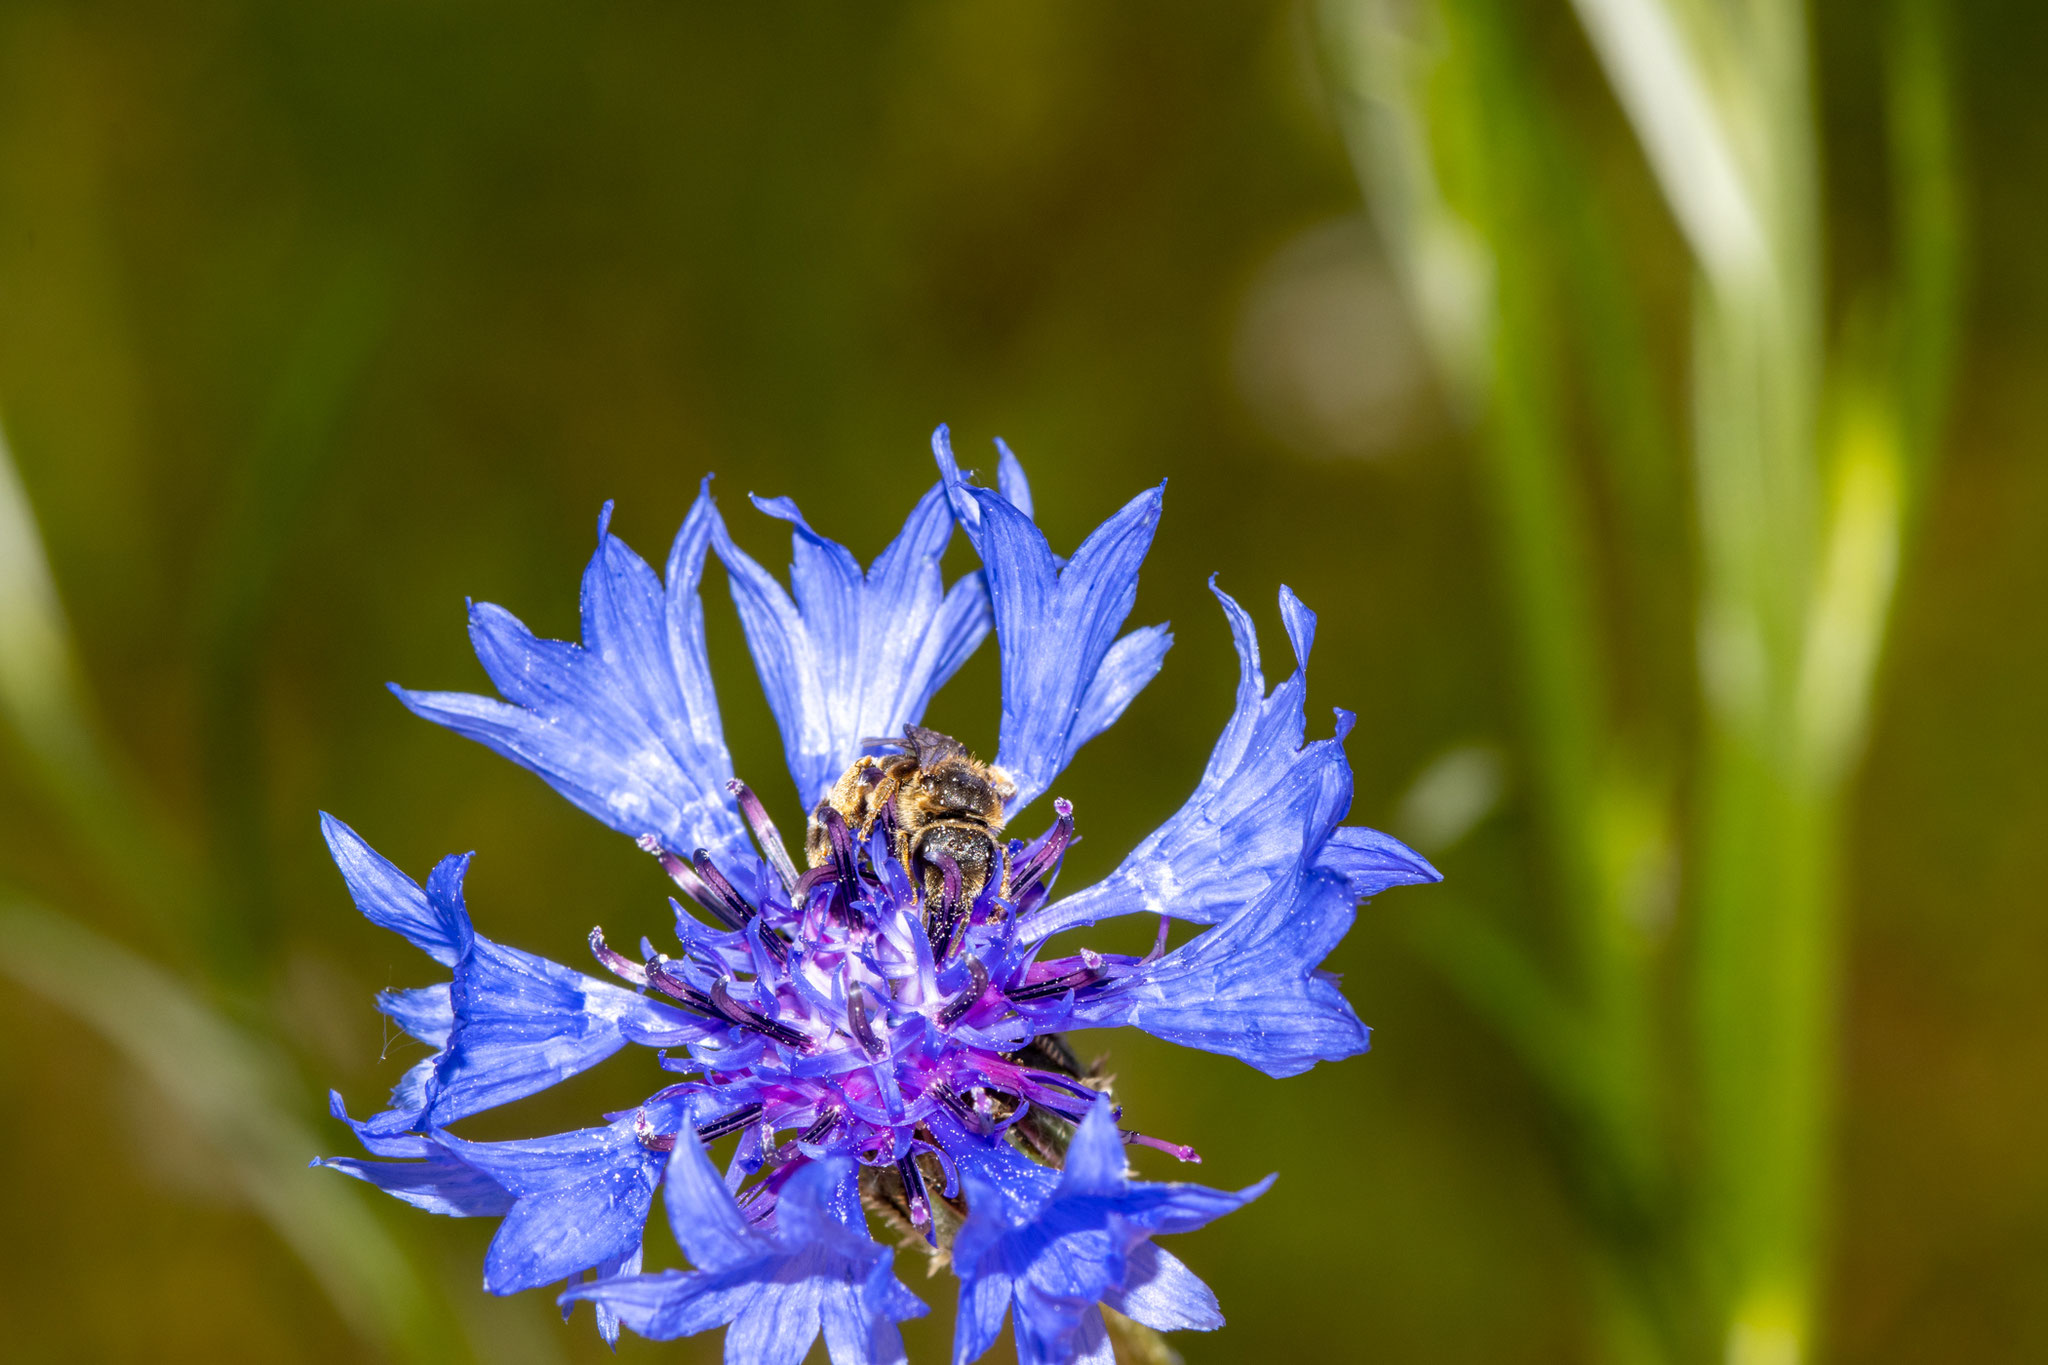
<point>316,318</point>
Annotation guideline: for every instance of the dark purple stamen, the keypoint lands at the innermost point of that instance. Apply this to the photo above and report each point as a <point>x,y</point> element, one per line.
<point>1044,860</point>
<point>679,872</point>
<point>619,965</point>
<point>722,1001</point>
<point>724,901</point>
<point>774,942</point>
<point>726,1006</point>
<point>662,975</point>
<point>648,1138</point>
<point>729,1123</point>
<point>765,833</point>
<point>844,865</point>
<point>970,994</point>
<point>942,921</point>
<point>793,1150</point>
<point>857,1016</point>
<point>913,1192</point>
<point>962,1110</point>
<point>809,882</point>
<point>1058,985</point>
<point>1059,1082</point>
<point>718,1003</point>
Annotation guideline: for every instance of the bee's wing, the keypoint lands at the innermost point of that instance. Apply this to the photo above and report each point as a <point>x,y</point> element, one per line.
<point>930,746</point>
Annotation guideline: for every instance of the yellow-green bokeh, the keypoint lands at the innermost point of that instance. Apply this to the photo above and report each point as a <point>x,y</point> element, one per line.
<point>317,318</point>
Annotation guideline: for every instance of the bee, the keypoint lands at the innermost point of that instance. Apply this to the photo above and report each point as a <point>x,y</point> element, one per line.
<point>944,802</point>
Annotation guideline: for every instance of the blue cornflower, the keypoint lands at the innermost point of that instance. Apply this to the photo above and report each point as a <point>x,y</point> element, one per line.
<point>880,1029</point>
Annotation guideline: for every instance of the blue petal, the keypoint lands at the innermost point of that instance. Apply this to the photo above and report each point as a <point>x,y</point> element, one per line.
<point>394,901</point>
<point>380,1139</point>
<point>1131,663</point>
<point>1267,803</point>
<point>607,1320</point>
<point>1091,1344</point>
<point>625,724</point>
<point>661,1306</point>
<point>427,1013</point>
<point>386,1134</point>
<point>581,1198</point>
<point>511,1024</point>
<point>1057,625</point>
<point>1010,480</point>
<point>851,1281</point>
<point>877,1340</point>
<point>810,1259</point>
<point>1248,988</point>
<point>1095,1155</point>
<point>1370,861</point>
<point>853,655</point>
<point>984,1303</point>
<point>781,1317</point>
<point>523,1023</point>
<point>1050,1263</point>
<point>439,1184</point>
<point>1053,1329</point>
<point>707,1223</point>
<point>1095,1171</point>
<point>1012,1184</point>
<point>409,1098</point>
<point>1162,1293</point>
<point>776,1289</point>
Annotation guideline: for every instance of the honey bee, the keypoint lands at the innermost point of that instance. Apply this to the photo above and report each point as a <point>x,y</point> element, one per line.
<point>945,804</point>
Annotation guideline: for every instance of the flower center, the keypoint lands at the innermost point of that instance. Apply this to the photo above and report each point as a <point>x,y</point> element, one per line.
<point>882,990</point>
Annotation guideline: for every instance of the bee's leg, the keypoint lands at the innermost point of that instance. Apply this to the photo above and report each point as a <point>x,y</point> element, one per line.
<point>848,797</point>
<point>817,843</point>
<point>882,798</point>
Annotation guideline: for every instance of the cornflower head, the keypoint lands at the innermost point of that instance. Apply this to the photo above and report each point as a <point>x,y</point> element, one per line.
<point>880,1028</point>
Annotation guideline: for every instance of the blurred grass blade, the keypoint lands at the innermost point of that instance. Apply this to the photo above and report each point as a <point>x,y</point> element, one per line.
<point>1501,983</point>
<point>43,701</point>
<point>38,675</point>
<point>1792,597</point>
<point>1449,126</point>
<point>312,394</point>
<point>1928,226</point>
<point>236,1092</point>
<point>1383,57</point>
<point>1660,83</point>
<point>238,1095</point>
<point>1853,592</point>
